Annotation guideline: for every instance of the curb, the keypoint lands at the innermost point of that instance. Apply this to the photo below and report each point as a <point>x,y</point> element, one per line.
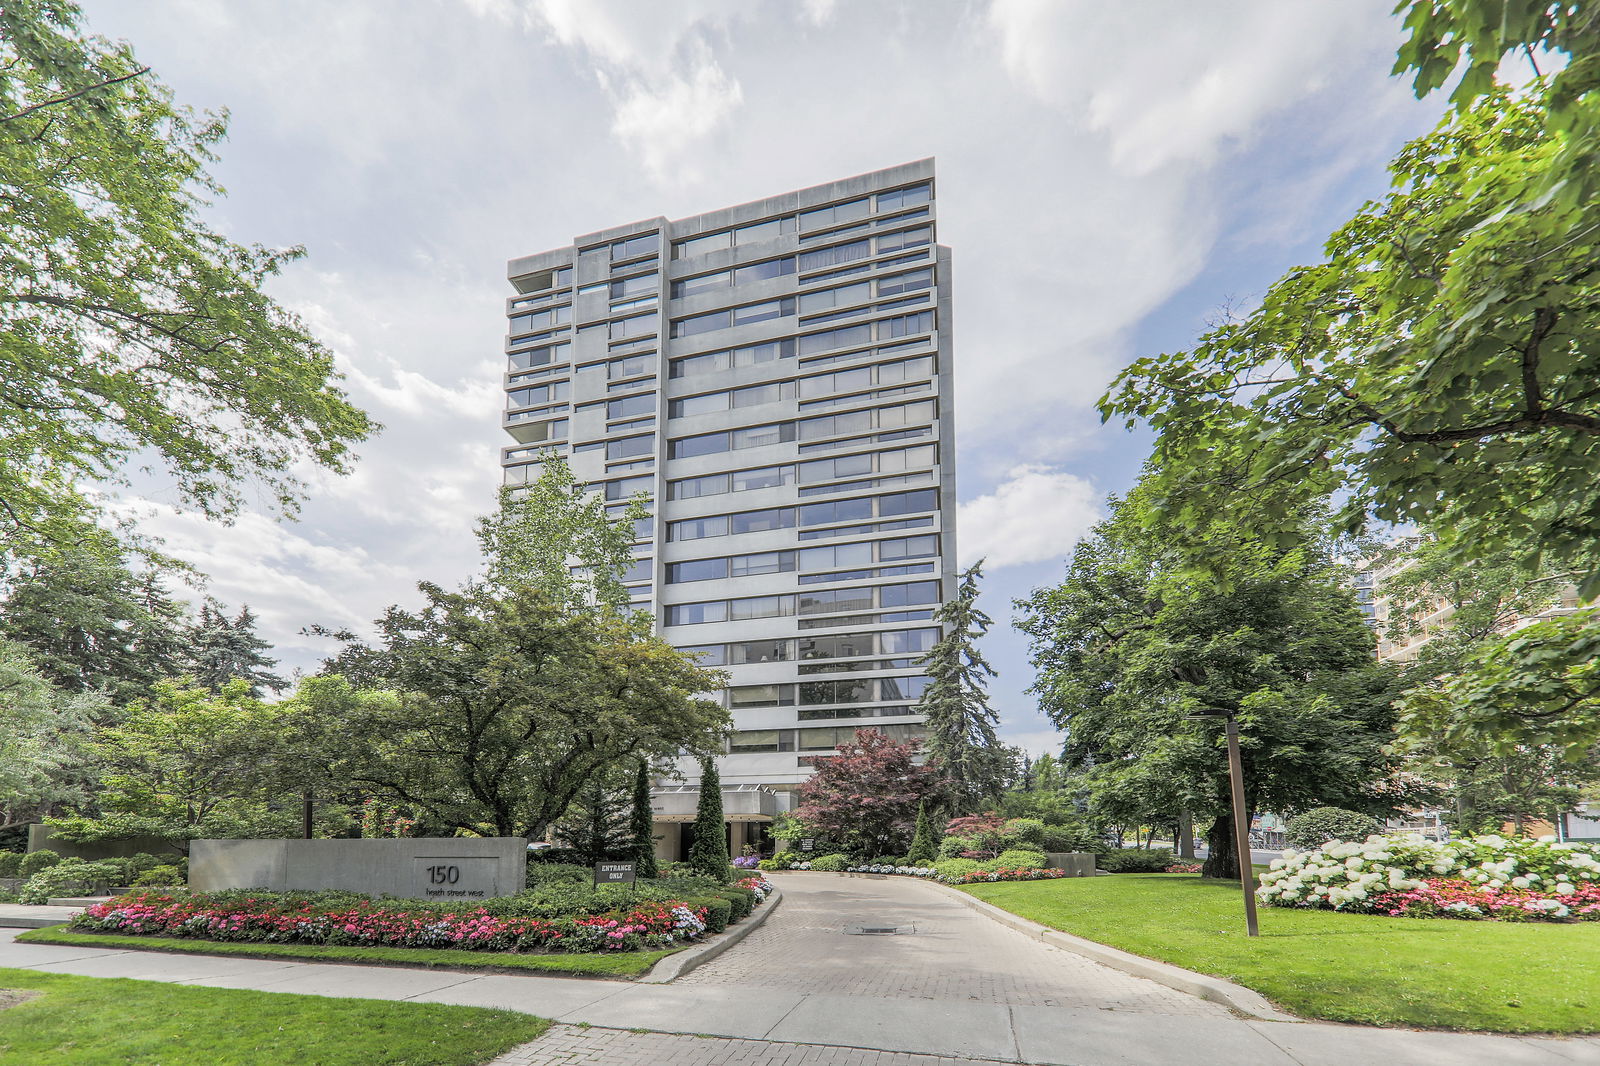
<point>30,923</point>
<point>676,965</point>
<point>1235,997</point>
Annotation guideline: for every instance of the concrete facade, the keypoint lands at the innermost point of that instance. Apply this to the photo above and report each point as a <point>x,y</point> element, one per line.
<point>444,868</point>
<point>776,378</point>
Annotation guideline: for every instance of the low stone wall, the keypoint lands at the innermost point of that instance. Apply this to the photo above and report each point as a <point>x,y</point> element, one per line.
<point>443,868</point>
<point>1075,863</point>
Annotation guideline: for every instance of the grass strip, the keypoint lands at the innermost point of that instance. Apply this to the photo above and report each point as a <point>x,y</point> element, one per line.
<point>91,1021</point>
<point>1511,977</point>
<point>605,965</point>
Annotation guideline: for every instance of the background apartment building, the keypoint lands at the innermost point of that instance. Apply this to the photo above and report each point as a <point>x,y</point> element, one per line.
<point>776,376</point>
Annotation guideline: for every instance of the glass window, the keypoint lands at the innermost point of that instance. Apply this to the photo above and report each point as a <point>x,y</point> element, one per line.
<point>693,614</point>
<point>827,216</point>
<point>905,370</point>
<point>760,563</point>
<point>819,514</point>
<point>764,231</point>
<point>760,521</point>
<point>626,488</point>
<point>836,555</point>
<point>628,447</point>
<point>704,283</point>
<point>763,312</point>
<point>760,436</point>
<point>904,595</point>
<point>844,336</point>
<point>840,297</point>
<point>905,325</point>
<point>755,740</point>
<point>638,570</point>
<point>711,242</point>
<point>706,323</point>
<point>759,651</point>
<point>907,197</point>
<point>550,316</point>
<point>830,469</point>
<point>911,238</point>
<point>700,405</point>
<point>755,395</point>
<point>629,367</point>
<point>703,444</point>
<point>644,283</point>
<point>772,268</point>
<point>538,431</point>
<point>829,601</point>
<point>707,654</point>
<point>907,548</point>
<point>838,646</point>
<point>902,688</point>
<point>633,327</point>
<point>907,282</point>
<point>764,478</point>
<point>699,528</point>
<point>835,425</point>
<point>898,503</point>
<point>532,357</point>
<point>631,406</point>
<point>905,414</point>
<point>839,381</point>
<point>759,607</point>
<point>695,487</point>
<point>697,570</point>
<point>761,696</point>
<point>836,255</point>
<point>634,246</point>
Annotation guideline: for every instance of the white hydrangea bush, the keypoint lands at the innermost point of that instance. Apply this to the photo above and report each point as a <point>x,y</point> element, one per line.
<point>1345,875</point>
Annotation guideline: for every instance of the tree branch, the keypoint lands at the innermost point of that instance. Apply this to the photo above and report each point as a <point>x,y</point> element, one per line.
<point>52,101</point>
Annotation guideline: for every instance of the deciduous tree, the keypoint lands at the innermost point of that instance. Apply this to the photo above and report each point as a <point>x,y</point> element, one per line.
<point>866,796</point>
<point>44,737</point>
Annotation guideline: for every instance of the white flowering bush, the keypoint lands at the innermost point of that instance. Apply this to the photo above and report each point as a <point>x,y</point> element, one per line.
<point>1473,877</point>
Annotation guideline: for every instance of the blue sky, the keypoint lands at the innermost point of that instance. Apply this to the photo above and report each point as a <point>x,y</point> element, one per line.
<point>1110,177</point>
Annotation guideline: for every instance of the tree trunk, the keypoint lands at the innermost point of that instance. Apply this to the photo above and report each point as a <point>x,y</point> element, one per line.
<point>1222,860</point>
<point>1185,839</point>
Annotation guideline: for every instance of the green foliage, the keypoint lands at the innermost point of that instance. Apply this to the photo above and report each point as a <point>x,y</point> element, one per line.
<point>925,840</point>
<point>708,847</point>
<point>1023,833</point>
<point>834,863</point>
<point>130,331</point>
<point>1016,859</point>
<point>10,863</point>
<point>1314,828</point>
<point>92,624</point>
<point>596,827</point>
<point>1073,836</point>
<point>1134,860</point>
<point>1128,647</point>
<point>954,869</point>
<point>158,877</point>
<point>719,912</point>
<point>539,530</point>
<point>641,826</point>
<point>223,650</point>
<point>865,798</point>
<point>550,873</point>
<point>506,704</point>
<point>69,877</point>
<point>44,739</point>
<point>960,723</point>
<point>35,861</point>
<point>743,901</point>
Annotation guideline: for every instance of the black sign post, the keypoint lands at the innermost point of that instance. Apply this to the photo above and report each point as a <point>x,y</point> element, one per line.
<point>613,873</point>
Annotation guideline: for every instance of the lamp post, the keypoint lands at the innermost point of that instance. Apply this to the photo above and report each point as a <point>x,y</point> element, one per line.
<point>1241,825</point>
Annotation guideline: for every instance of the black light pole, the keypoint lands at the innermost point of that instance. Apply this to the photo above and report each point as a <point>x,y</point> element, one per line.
<point>1241,827</point>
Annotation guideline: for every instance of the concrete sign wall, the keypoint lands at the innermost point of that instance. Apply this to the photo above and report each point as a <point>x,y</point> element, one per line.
<point>448,868</point>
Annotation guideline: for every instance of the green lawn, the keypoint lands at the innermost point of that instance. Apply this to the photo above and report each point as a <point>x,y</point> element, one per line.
<point>610,964</point>
<point>1435,973</point>
<point>93,1021</point>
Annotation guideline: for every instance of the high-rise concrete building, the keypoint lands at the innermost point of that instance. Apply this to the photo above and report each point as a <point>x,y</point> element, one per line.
<point>777,377</point>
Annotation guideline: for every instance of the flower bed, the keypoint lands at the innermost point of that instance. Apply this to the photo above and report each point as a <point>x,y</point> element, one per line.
<point>1023,874</point>
<point>299,919</point>
<point>1486,877</point>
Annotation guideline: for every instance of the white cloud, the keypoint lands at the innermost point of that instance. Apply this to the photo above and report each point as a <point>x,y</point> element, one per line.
<point>1036,514</point>
<point>662,121</point>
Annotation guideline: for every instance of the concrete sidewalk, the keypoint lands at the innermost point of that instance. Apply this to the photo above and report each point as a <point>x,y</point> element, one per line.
<point>777,1024</point>
<point>24,916</point>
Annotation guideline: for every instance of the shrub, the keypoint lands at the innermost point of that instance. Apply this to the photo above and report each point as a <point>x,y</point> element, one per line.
<point>951,847</point>
<point>954,869</point>
<point>1015,859</point>
<point>1316,827</point>
<point>719,910</point>
<point>1074,836</point>
<point>68,877</point>
<point>1134,860</point>
<point>35,861</point>
<point>743,900</point>
<point>1023,833</point>
<point>10,863</point>
<point>158,877</point>
<point>834,863</point>
<point>1482,877</point>
<point>556,857</point>
<point>550,873</point>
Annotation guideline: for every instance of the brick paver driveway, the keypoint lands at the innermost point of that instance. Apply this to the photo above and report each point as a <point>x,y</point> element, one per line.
<point>953,954</point>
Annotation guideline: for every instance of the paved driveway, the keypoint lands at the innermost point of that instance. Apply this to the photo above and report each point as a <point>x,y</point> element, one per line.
<point>948,952</point>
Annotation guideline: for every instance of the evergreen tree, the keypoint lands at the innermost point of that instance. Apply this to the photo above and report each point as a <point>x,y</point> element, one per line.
<point>1046,773</point>
<point>223,650</point>
<point>708,851</point>
<point>960,723</point>
<point>925,840</point>
<point>597,825</point>
<point>643,825</point>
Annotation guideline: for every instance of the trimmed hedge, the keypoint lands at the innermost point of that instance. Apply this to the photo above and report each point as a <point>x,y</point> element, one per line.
<point>1134,860</point>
